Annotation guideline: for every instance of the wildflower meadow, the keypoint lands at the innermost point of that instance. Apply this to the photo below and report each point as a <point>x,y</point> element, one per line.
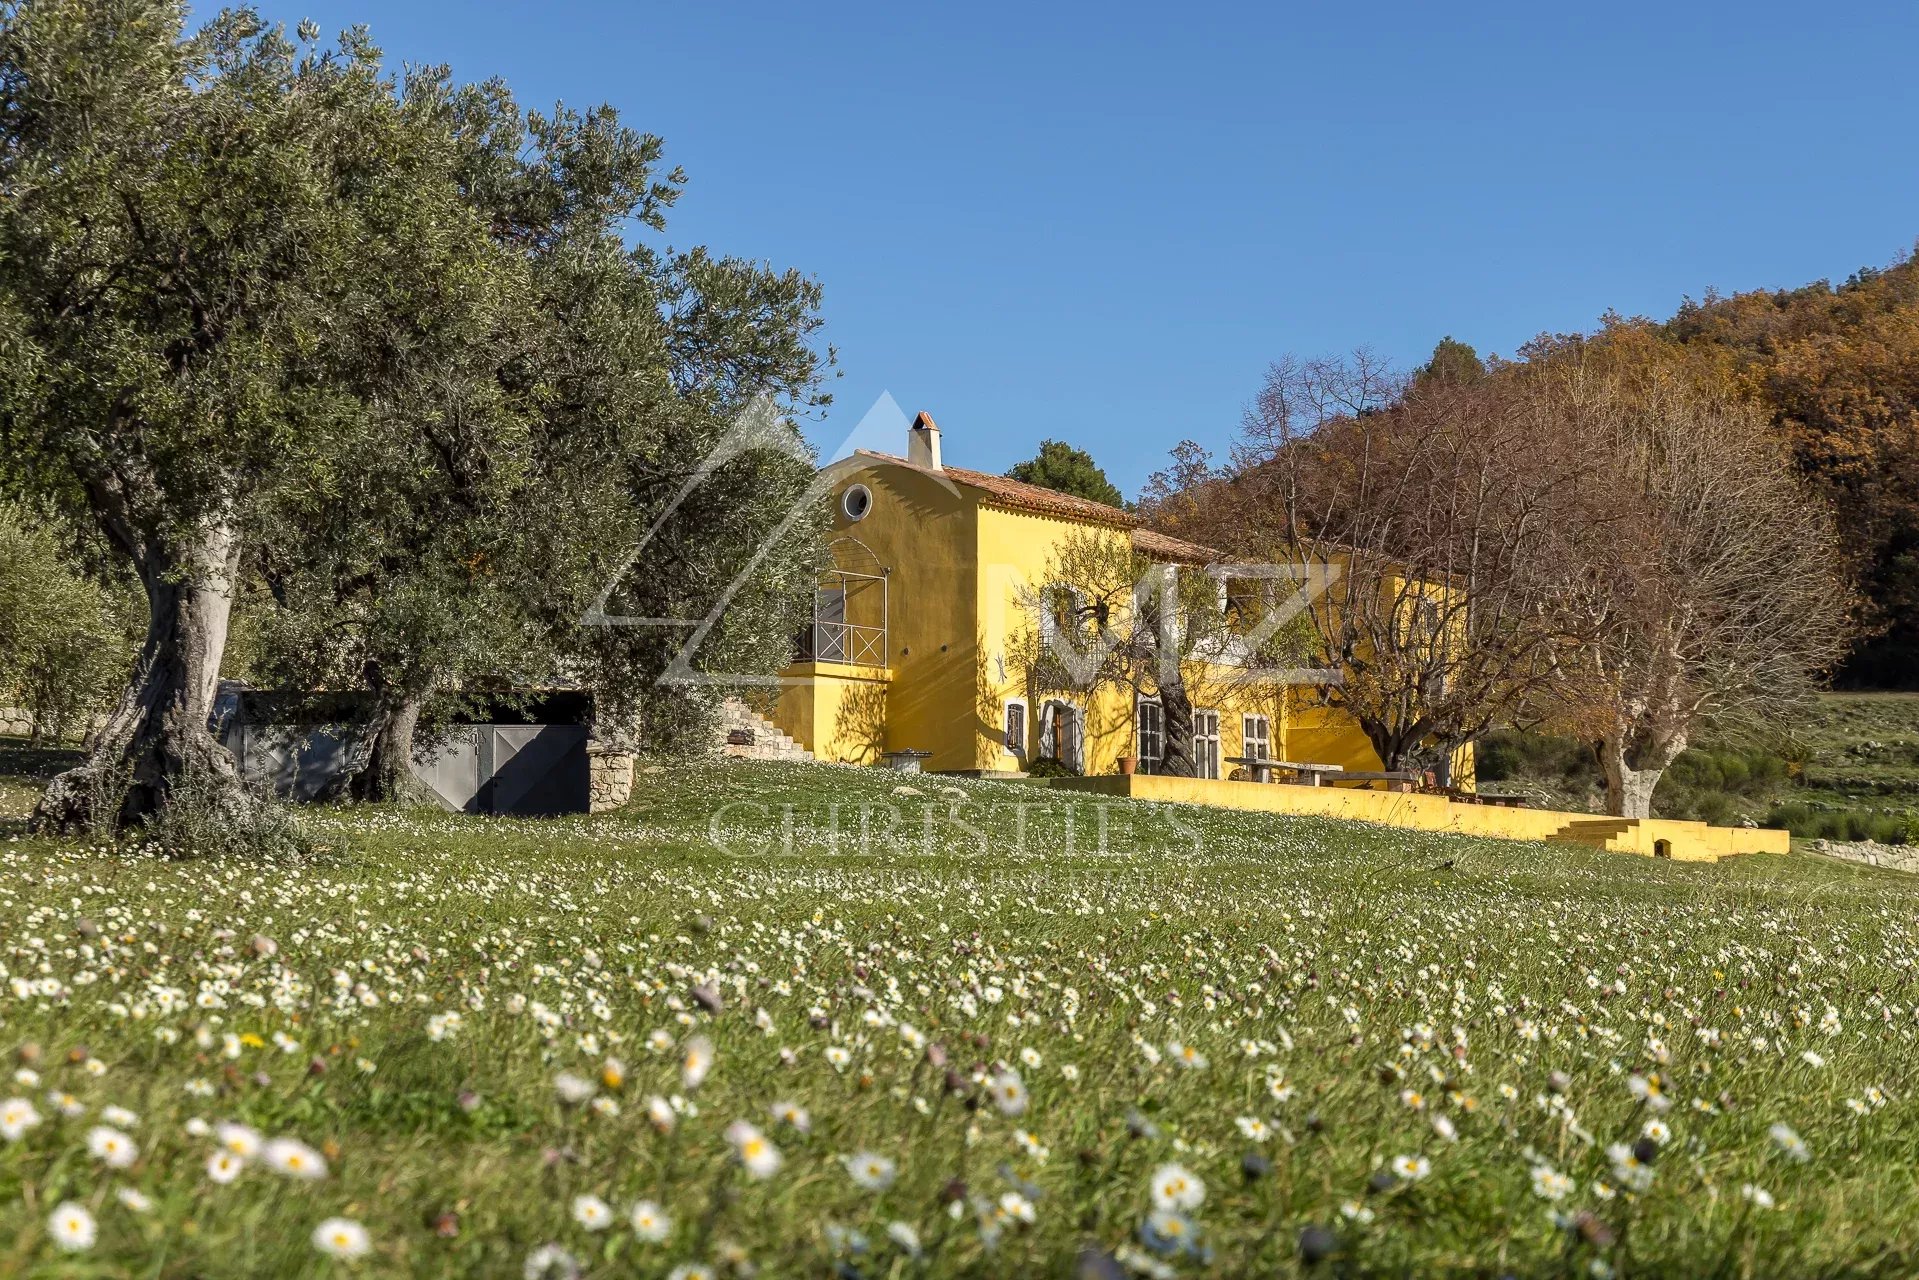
<point>795,1020</point>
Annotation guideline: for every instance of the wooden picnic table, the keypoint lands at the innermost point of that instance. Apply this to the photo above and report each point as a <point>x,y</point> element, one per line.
<point>1263,767</point>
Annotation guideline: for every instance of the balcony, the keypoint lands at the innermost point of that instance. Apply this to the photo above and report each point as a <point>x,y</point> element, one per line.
<point>849,618</point>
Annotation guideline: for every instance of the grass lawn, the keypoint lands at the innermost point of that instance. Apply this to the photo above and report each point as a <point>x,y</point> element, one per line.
<point>811,1027</point>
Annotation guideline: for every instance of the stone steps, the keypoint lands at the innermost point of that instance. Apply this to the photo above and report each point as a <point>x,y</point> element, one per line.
<point>745,734</point>
<point>1596,833</point>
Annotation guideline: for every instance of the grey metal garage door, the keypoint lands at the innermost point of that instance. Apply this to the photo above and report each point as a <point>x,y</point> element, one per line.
<point>523,769</point>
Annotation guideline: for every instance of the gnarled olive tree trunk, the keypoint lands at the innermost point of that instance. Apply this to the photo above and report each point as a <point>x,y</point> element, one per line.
<point>156,743</point>
<point>388,772</point>
<point>1634,760</point>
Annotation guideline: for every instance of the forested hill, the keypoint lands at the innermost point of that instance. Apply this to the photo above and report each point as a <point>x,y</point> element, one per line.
<point>1839,368</point>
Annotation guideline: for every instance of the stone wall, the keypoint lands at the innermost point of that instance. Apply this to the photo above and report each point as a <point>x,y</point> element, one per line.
<point>609,776</point>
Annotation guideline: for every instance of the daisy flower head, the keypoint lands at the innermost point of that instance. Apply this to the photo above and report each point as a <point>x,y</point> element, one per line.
<point>791,1114</point>
<point>1550,1184</point>
<point>238,1139</point>
<point>696,1059</point>
<point>1790,1143</point>
<point>72,1227</point>
<point>650,1222</point>
<point>1017,1208</point>
<point>111,1147</point>
<point>1411,1168</point>
<point>223,1167</point>
<point>1651,1090</point>
<point>341,1238</point>
<point>1009,1093</point>
<point>592,1213</point>
<point>573,1089</point>
<point>1186,1056</point>
<point>1176,1189</point>
<point>1759,1196</point>
<point>134,1200</point>
<point>119,1117</point>
<point>871,1172</point>
<point>690,1271</point>
<point>16,1117</point>
<point>1165,1231</point>
<point>761,1158</point>
<point>550,1262</point>
<point>1253,1128</point>
<point>294,1159</point>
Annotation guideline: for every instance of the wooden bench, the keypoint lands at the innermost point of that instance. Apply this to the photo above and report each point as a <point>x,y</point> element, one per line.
<point>1477,797</point>
<point>1395,779</point>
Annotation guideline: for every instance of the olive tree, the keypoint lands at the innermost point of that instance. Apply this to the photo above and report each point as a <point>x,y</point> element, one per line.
<point>220,252</point>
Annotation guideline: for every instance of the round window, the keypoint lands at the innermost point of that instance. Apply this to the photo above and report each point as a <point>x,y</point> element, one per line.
<point>856,502</point>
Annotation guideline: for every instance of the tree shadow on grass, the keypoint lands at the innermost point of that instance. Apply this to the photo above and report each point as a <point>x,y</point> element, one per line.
<point>25,771</point>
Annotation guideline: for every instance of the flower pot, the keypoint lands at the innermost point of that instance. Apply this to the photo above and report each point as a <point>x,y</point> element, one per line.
<point>1126,766</point>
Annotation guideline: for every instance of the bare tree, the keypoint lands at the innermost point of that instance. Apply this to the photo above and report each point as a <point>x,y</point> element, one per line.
<point>1432,510</point>
<point>1703,577</point>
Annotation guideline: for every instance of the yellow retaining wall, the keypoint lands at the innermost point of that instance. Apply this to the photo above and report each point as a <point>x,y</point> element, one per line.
<point>839,713</point>
<point>1688,841</point>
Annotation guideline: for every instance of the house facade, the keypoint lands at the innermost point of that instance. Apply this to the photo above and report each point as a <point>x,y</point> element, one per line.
<point>924,633</point>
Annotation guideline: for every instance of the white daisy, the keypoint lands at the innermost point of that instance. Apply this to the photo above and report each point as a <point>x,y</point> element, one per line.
<point>111,1147</point>
<point>341,1238</point>
<point>871,1172</point>
<point>293,1158</point>
<point>223,1167</point>
<point>650,1222</point>
<point>72,1227</point>
<point>1176,1189</point>
<point>16,1117</point>
<point>761,1158</point>
<point>592,1213</point>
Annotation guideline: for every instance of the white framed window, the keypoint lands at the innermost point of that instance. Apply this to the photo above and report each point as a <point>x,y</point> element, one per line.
<point>1256,737</point>
<point>1062,733</point>
<point>856,502</point>
<point>1149,729</point>
<point>1206,744</point>
<point>1013,722</point>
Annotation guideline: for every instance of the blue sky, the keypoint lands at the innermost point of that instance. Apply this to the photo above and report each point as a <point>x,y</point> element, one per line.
<point>1101,223</point>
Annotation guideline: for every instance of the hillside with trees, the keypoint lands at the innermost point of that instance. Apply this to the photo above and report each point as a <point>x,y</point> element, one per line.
<point>1837,371</point>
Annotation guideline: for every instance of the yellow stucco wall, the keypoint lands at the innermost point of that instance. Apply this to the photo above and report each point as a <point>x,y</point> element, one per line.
<point>836,710</point>
<point>957,568</point>
<point>1687,841</point>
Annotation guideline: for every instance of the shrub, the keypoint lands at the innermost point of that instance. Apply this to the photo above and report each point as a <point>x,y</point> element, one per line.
<point>1051,767</point>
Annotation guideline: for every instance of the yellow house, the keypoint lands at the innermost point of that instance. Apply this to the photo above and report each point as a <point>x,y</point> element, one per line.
<point>922,616</point>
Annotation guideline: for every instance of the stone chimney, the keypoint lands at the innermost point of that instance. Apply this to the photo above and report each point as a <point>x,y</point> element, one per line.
<point>923,443</point>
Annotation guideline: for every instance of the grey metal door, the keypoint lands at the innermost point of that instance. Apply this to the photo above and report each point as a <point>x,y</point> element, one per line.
<point>532,769</point>
<point>451,773</point>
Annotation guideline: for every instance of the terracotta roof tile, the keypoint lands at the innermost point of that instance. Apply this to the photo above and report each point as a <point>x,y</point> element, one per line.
<point>1017,495</point>
<point>1165,547</point>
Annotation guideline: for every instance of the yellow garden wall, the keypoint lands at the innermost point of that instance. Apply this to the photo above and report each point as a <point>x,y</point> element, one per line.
<point>1689,841</point>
